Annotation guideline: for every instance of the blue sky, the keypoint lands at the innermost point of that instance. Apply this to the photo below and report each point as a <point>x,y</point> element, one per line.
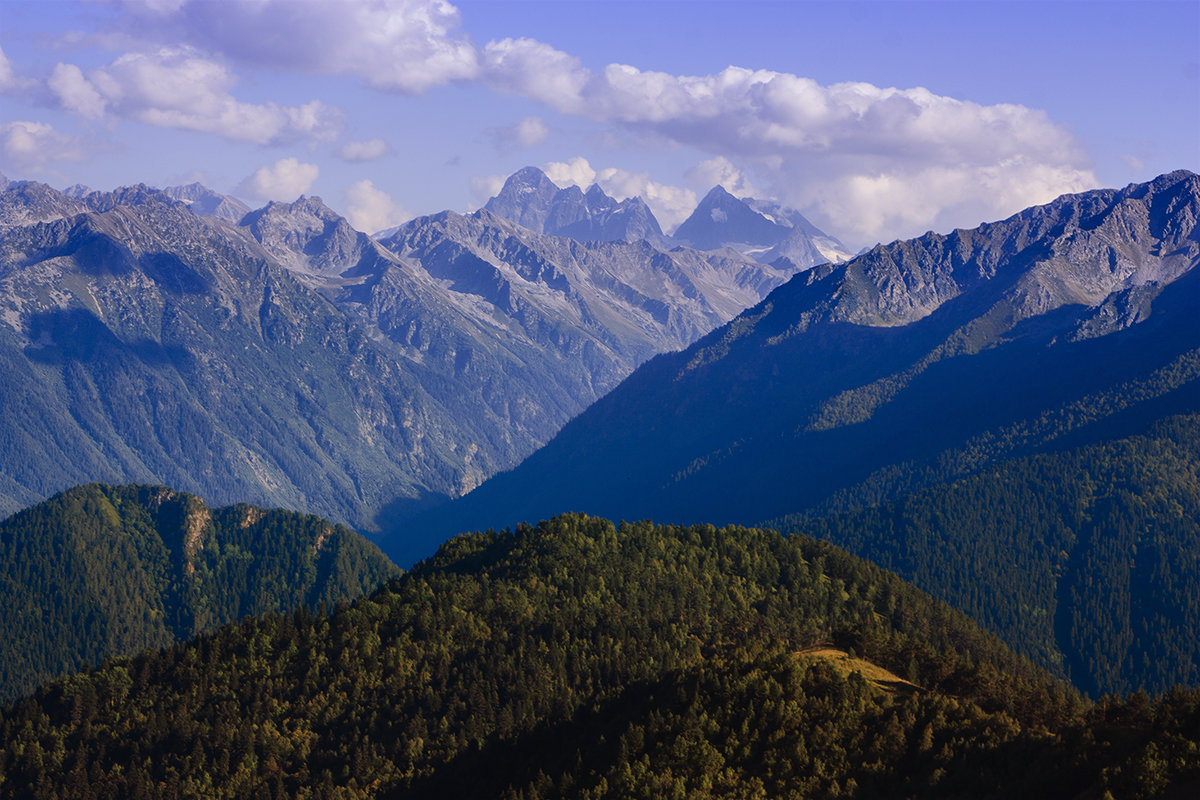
<point>878,120</point>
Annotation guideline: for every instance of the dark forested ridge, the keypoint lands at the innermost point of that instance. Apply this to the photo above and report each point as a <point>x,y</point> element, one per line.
<point>1067,331</point>
<point>1085,559</point>
<point>578,659</point>
<point>101,570</point>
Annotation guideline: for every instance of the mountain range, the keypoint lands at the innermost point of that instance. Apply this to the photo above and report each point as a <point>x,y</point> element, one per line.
<point>1030,344</point>
<point>530,199</point>
<point>1006,416</point>
<point>288,359</point>
<point>763,230</point>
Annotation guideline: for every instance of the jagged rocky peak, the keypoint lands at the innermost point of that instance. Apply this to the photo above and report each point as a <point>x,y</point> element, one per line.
<point>311,239</point>
<point>27,202</point>
<point>526,198</point>
<point>722,220</point>
<point>202,200</point>
<point>530,199</point>
<point>763,229</point>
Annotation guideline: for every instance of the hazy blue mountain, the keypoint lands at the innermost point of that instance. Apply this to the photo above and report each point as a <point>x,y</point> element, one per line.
<point>101,571</point>
<point>913,366</point>
<point>143,342</point>
<point>530,199</point>
<point>764,229</point>
<point>202,200</point>
<point>77,190</point>
<point>291,360</point>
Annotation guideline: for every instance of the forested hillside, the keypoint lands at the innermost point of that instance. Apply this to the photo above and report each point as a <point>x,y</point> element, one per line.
<point>579,659</point>
<point>99,571</point>
<point>1084,559</point>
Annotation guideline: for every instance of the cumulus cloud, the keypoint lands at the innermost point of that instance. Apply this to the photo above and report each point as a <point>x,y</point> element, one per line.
<point>903,203</point>
<point>526,133</point>
<point>573,172</point>
<point>371,209</point>
<point>393,45</point>
<point>912,158</point>
<point>533,69</point>
<point>10,81</point>
<point>369,150</point>
<point>484,188</point>
<point>720,171</point>
<point>75,92</point>
<point>30,146</point>
<point>285,180</point>
<point>180,88</point>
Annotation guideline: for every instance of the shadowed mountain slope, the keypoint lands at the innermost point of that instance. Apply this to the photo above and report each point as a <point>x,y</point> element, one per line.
<point>915,365</point>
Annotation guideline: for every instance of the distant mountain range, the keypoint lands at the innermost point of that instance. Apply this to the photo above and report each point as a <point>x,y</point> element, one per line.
<point>763,230</point>
<point>532,200</point>
<point>1020,348</point>
<point>288,359</point>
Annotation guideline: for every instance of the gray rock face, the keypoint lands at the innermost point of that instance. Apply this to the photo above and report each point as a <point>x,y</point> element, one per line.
<point>26,202</point>
<point>533,201</point>
<point>205,201</point>
<point>143,342</point>
<point>556,321</point>
<point>311,240</point>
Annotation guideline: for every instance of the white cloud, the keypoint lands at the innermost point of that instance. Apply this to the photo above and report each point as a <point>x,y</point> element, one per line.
<point>484,188</point>
<point>30,146</point>
<point>369,150</point>
<point>75,92</point>
<point>533,69</point>
<point>180,88</point>
<point>911,158</point>
<point>10,81</point>
<point>574,172</point>
<point>526,133</point>
<point>393,45</point>
<point>285,180</point>
<point>720,171</point>
<point>371,209</point>
<point>901,202</point>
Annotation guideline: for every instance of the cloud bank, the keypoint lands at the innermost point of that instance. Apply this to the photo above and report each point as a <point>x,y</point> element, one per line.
<point>283,181</point>
<point>371,209</point>
<point>393,45</point>
<point>176,87</point>
<point>866,161</point>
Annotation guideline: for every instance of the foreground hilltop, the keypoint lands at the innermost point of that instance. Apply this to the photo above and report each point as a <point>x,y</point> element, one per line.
<point>579,659</point>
